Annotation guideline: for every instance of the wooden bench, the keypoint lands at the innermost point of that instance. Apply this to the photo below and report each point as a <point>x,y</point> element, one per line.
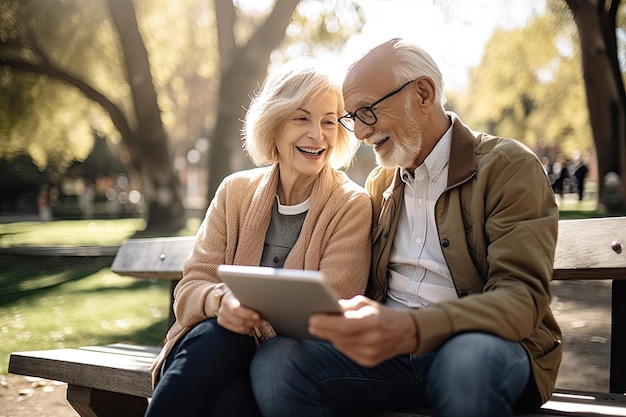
<point>114,380</point>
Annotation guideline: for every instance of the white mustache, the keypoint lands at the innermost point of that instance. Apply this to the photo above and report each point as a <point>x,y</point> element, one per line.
<point>377,138</point>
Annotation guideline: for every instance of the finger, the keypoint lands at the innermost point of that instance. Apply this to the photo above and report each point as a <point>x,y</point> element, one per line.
<point>237,325</point>
<point>334,327</point>
<point>230,325</point>
<point>325,321</point>
<point>247,319</point>
<point>355,302</point>
<point>233,304</point>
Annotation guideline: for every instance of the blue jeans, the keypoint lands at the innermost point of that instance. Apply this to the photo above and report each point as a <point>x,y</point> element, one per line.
<point>206,374</point>
<point>473,374</point>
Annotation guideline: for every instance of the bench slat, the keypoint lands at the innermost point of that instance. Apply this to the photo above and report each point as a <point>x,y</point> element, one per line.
<point>581,253</point>
<point>586,253</point>
<point>161,258</point>
<point>113,371</point>
<point>149,352</point>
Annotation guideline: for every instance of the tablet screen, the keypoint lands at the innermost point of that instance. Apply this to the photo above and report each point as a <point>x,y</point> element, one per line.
<point>284,297</point>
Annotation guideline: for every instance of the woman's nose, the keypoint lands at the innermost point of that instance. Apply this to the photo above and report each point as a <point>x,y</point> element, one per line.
<point>316,132</point>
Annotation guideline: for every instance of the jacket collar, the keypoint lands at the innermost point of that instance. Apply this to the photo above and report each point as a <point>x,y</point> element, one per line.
<point>462,164</point>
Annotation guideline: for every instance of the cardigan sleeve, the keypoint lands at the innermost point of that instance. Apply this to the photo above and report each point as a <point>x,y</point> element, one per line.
<point>346,257</point>
<point>200,269</point>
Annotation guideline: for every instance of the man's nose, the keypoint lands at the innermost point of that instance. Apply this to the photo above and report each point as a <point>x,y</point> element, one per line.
<point>361,130</point>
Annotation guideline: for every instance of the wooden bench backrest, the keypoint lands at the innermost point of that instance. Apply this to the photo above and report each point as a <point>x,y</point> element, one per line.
<point>156,257</point>
<point>584,251</point>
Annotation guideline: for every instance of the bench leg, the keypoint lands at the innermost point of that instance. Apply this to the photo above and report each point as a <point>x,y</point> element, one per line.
<point>617,382</point>
<point>90,402</point>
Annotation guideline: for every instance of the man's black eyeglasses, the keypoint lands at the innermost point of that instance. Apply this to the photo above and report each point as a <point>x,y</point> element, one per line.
<point>366,114</point>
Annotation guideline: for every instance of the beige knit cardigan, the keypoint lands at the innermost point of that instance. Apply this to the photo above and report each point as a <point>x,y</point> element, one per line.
<point>335,239</point>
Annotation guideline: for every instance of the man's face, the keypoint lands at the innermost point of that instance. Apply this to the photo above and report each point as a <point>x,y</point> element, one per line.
<point>396,135</point>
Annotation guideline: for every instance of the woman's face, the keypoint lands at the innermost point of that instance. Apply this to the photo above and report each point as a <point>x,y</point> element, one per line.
<point>307,137</point>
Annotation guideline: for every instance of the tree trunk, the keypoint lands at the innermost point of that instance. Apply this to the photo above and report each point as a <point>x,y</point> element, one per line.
<point>604,98</point>
<point>149,147</point>
<point>242,71</point>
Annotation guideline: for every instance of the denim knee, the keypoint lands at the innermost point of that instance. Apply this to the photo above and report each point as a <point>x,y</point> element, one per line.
<point>477,374</point>
<point>282,379</point>
<point>206,369</point>
<point>273,358</point>
<point>206,344</point>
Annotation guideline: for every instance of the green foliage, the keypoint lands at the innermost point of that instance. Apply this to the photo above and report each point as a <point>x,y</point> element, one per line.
<point>321,27</point>
<point>528,85</point>
<point>52,121</point>
<point>43,116</point>
<point>21,173</point>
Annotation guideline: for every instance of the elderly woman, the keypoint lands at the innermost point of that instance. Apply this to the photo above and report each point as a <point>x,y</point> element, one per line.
<point>296,211</point>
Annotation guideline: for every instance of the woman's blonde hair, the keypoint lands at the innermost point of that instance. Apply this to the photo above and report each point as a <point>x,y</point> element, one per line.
<point>283,91</point>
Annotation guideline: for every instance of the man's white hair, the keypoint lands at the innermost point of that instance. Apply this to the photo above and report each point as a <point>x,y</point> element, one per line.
<point>415,62</point>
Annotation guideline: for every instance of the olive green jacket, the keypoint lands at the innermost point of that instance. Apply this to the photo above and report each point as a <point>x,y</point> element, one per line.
<point>497,222</point>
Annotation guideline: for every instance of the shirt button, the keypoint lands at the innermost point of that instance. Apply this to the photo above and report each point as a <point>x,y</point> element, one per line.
<point>445,243</point>
<point>418,240</point>
<point>276,259</point>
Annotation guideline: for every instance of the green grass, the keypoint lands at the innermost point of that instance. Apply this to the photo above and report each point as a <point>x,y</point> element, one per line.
<point>50,303</point>
<point>69,301</point>
<point>570,208</point>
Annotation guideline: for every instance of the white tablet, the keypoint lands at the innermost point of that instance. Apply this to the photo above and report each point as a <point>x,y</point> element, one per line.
<point>284,297</point>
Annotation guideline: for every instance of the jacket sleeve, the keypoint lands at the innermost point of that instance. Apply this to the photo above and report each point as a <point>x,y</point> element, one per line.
<point>507,241</point>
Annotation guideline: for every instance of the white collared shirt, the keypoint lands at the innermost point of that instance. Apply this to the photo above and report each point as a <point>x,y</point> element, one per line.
<point>418,271</point>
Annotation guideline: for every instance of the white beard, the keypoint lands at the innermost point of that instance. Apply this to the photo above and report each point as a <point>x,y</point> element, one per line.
<point>405,149</point>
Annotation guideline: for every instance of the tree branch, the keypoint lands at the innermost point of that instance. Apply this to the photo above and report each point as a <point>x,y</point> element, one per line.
<point>267,37</point>
<point>117,117</point>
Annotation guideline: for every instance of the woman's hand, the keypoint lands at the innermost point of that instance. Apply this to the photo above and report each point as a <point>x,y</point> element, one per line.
<point>233,316</point>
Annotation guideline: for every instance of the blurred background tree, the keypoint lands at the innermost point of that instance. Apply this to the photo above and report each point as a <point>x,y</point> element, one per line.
<point>532,83</point>
<point>166,81</point>
<point>166,84</point>
<point>556,85</point>
<point>600,23</point>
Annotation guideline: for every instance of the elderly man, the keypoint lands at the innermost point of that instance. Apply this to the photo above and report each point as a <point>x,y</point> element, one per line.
<point>465,225</point>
